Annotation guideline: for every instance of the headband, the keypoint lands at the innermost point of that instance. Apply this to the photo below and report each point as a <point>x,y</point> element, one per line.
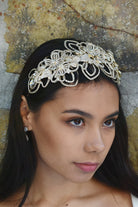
<point>63,65</point>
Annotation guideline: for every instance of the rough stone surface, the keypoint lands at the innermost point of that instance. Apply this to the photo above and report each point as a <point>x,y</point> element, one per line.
<point>129,91</point>
<point>7,80</point>
<point>3,127</point>
<point>33,22</point>
<point>6,88</point>
<point>111,24</point>
<point>133,137</point>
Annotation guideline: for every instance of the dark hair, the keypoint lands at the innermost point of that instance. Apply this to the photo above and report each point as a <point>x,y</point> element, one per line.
<point>19,163</point>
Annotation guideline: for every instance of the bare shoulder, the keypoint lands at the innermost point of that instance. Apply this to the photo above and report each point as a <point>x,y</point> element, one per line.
<point>107,196</point>
<point>122,198</point>
<point>12,201</point>
<point>9,203</point>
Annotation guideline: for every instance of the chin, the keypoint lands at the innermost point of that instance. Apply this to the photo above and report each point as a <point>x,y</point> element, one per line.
<point>82,178</point>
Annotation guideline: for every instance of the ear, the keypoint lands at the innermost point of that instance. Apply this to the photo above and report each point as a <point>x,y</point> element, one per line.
<point>26,114</point>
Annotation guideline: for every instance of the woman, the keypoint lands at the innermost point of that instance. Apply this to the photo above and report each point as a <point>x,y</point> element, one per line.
<point>67,135</point>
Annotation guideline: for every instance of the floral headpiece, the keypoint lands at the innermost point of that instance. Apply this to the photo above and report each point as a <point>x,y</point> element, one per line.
<point>63,65</point>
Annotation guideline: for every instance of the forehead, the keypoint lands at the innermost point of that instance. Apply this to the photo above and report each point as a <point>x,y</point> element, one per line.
<point>93,89</point>
<point>100,96</point>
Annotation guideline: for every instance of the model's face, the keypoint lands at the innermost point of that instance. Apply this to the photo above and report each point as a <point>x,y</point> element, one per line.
<point>75,131</point>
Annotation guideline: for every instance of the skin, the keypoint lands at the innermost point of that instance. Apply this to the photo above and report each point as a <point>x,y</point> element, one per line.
<point>77,126</point>
<point>64,138</point>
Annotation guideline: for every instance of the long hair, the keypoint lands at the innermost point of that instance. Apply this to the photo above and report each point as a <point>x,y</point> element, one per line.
<point>19,164</point>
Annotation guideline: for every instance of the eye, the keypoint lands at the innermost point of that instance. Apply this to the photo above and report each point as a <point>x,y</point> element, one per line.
<point>109,123</point>
<point>77,122</point>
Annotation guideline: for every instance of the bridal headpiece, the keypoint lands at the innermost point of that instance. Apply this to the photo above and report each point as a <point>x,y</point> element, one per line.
<point>63,65</point>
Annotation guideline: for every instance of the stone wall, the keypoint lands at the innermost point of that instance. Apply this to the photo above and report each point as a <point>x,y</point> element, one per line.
<point>112,24</point>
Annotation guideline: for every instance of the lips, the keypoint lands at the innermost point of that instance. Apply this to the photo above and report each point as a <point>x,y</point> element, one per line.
<point>87,166</point>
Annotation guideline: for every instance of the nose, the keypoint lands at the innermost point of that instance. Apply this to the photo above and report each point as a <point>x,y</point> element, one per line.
<point>94,141</point>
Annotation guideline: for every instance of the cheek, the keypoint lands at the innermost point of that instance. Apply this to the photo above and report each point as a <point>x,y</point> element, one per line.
<point>44,139</point>
<point>109,138</point>
<point>51,142</point>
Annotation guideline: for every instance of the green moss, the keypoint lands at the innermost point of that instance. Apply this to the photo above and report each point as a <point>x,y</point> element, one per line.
<point>29,26</point>
<point>133,137</point>
<point>3,128</point>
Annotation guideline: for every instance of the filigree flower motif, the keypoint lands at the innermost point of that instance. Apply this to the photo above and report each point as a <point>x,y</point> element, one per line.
<point>77,55</point>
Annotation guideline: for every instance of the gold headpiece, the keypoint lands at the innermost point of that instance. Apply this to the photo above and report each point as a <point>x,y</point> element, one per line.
<point>64,64</point>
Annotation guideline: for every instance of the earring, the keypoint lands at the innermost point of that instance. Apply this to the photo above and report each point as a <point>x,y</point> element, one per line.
<point>26,130</point>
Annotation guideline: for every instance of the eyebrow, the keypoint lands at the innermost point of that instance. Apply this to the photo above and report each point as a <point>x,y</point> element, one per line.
<point>76,111</point>
<point>87,115</point>
<point>112,115</point>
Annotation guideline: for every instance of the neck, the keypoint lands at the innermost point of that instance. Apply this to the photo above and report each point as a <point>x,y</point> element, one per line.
<point>52,188</point>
